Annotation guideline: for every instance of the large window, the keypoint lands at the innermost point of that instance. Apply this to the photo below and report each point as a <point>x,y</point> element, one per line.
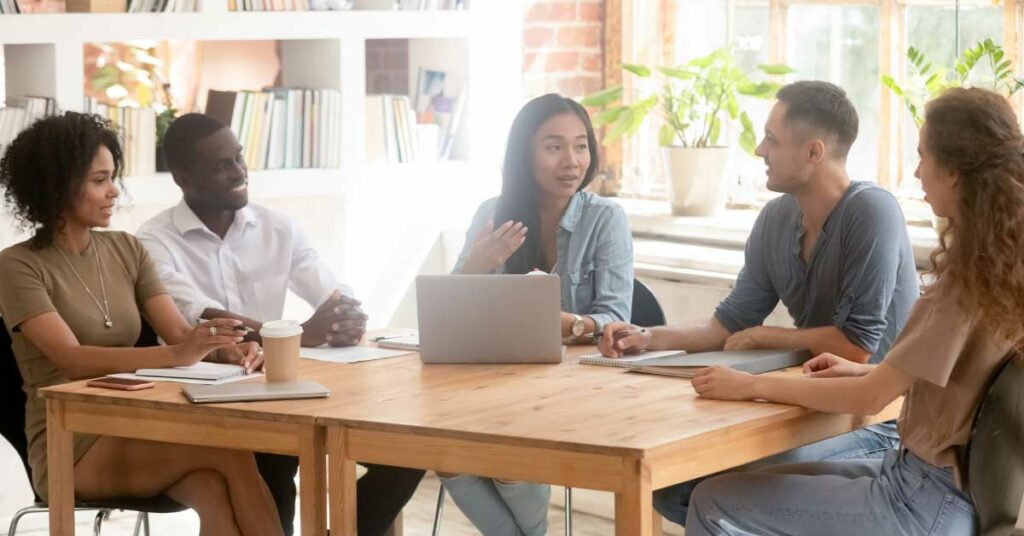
<point>848,42</point>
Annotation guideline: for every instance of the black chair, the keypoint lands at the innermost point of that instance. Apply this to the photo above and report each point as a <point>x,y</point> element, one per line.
<point>12,427</point>
<point>647,313</point>
<point>995,456</point>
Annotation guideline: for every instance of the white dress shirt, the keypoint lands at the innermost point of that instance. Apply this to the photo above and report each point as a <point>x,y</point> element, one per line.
<point>249,272</point>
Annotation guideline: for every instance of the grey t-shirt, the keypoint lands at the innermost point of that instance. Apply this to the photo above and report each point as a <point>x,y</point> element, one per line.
<point>861,276</point>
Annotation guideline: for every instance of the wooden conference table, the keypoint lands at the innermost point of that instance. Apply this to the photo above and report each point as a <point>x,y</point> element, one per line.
<point>575,425</point>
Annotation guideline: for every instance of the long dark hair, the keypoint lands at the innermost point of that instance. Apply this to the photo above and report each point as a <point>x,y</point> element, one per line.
<point>518,200</point>
<point>975,133</point>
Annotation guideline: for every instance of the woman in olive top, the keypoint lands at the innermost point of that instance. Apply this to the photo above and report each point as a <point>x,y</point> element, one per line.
<point>72,299</point>
<point>543,220</point>
<point>958,334</point>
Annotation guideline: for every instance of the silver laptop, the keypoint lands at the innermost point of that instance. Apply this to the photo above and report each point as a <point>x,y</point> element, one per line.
<point>489,318</point>
<point>257,390</point>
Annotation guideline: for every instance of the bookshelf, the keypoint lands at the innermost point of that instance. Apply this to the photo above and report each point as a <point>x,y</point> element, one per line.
<point>376,222</point>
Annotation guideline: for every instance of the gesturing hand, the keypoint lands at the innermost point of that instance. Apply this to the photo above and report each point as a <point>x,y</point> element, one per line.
<point>206,337</point>
<point>494,246</point>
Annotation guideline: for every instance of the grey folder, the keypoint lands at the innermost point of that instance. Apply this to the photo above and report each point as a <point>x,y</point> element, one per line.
<point>258,390</point>
<point>752,361</point>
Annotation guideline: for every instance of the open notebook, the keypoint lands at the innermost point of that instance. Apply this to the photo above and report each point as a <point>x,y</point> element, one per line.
<point>203,371</point>
<point>752,361</point>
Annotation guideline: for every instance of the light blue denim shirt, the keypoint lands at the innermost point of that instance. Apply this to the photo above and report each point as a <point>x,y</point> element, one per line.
<point>595,256</point>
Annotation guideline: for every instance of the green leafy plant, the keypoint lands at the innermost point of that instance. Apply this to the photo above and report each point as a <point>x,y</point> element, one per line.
<point>694,102</point>
<point>927,81</point>
<point>163,122</point>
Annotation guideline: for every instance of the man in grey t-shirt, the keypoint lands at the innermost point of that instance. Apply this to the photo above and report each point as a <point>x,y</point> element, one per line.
<point>836,253</point>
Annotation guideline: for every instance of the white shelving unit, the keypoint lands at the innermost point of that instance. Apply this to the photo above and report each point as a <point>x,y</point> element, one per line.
<point>376,223</point>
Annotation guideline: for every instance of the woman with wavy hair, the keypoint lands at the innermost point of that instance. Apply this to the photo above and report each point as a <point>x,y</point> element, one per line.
<point>960,331</point>
<point>73,299</point>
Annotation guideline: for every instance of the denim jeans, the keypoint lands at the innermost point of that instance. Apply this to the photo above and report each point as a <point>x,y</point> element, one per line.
<point>898,495</point>
<point>672,502</point>
<point>501,509</point>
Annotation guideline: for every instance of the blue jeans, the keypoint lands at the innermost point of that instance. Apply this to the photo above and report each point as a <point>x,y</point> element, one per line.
<point>672,502</point>
<point>898,495</point>
<point>501,509</point>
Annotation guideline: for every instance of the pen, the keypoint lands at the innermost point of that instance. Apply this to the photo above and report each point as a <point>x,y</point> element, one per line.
<point>242,330</point>
<point>378,339</point>
<point>621,333</point>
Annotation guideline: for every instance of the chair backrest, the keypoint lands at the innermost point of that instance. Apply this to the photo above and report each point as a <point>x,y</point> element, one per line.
<point>12,400</point>
<point>647,311</point>
<point>995,455</point>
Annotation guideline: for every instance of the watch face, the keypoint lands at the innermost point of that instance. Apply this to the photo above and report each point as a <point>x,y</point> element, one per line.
<point>577,327</point>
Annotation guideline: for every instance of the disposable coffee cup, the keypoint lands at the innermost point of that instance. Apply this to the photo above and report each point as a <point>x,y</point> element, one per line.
<point>281,349</point>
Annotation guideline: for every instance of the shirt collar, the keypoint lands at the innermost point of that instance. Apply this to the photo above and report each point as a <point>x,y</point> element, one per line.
<point>572,212</point>
<point>185,219</point>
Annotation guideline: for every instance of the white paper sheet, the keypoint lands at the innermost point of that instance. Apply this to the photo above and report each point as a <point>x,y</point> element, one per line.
<point>350,354</point>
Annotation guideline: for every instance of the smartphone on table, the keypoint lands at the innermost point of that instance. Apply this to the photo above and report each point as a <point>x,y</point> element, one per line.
<point>123,384</point>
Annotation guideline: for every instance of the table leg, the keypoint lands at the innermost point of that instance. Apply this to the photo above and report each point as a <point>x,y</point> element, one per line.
<point>656,523</point>
<point>342,487</point>
<point>634,507</point>
<point>61,476</point>
<point>313,482</point>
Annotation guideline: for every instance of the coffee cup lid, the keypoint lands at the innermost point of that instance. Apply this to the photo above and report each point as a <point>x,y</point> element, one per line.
<point>281,328</point>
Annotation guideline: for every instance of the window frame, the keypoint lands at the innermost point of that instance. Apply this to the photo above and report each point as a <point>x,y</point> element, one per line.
<point>625,42</point>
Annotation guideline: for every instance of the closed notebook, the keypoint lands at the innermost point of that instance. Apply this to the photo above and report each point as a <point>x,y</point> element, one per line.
<point>202,370</point>
<point>752,361</point>
<point>253,391</point>
<point>627,361</point>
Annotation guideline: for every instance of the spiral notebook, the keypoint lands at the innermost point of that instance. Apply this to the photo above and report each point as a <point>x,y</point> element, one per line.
<point>408,342</point>
<point>627,361</point>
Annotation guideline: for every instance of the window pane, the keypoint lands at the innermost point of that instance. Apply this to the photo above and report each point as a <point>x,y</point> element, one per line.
<point>839,44</point>
<point>932,29</point>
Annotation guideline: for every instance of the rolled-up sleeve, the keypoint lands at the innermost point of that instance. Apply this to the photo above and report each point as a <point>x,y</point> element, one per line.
<point>613,270</point>
<point>753,296</point>
<point>871,266</point>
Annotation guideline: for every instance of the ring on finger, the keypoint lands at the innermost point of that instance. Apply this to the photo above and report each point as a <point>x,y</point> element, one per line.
<point>213,331</point>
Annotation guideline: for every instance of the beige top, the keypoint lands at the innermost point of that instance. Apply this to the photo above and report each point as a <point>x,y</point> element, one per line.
<point>952,356</point>
<point>37,281</point>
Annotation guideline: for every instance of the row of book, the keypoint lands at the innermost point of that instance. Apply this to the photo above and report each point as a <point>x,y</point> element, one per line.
<point>431,5</point>
<point>9,7</point>
<point>163,6</point>
<point>270,5</point>
<point>138,134</point>
<point>391,134</point>
<point>19,113</point>
<point>283,127</point>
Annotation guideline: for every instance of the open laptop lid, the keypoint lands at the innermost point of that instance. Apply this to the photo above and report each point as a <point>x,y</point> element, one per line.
<point>489,318</point>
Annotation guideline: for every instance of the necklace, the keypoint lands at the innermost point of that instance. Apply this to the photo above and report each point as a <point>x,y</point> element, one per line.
<point>105,308</point>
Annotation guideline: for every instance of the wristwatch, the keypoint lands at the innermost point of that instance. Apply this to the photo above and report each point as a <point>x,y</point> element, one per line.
<point>577,325</point>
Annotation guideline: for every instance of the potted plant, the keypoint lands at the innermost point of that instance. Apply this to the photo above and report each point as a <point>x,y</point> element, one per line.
<point>926,81</point>
<point>695,102</point>
<point>163,122</point>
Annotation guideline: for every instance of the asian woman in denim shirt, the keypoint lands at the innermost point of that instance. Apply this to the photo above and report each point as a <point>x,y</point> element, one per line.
<point>543,220</point>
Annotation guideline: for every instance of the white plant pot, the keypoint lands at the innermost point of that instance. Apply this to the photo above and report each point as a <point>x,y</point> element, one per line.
<point>695,177</point>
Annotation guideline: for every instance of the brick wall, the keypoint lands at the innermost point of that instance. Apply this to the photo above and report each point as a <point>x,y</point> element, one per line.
<point>387,66</point>
<point>562,47</point>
